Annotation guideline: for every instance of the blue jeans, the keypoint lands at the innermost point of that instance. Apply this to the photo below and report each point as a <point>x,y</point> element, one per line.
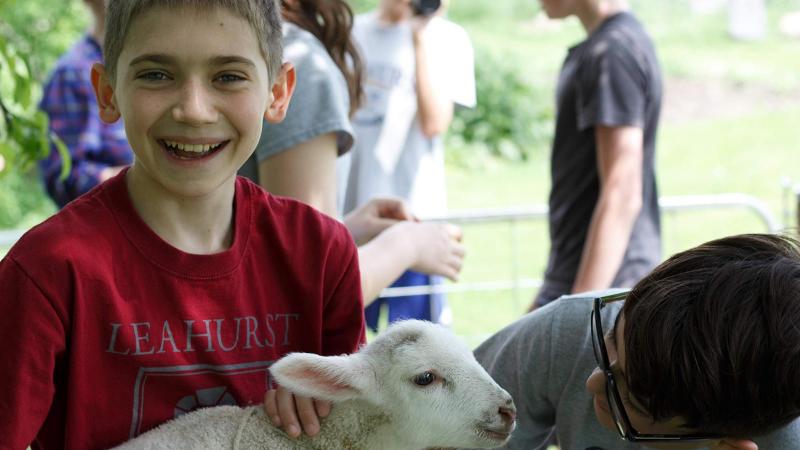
<point>423,307</point>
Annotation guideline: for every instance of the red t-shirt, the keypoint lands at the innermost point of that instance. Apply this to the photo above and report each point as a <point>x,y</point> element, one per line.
<point>107,330</point>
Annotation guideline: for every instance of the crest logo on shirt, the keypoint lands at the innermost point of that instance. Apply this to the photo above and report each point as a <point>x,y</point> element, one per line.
<point>163,393</point>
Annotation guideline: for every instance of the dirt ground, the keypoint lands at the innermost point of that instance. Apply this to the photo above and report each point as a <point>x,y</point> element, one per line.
<point>687,100</point>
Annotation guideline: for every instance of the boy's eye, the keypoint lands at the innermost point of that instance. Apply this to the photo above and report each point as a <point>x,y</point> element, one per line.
<point>153,76</point>
<point>230,78</point>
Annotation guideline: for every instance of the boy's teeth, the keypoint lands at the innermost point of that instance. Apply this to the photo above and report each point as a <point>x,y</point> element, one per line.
<point>194,148</point>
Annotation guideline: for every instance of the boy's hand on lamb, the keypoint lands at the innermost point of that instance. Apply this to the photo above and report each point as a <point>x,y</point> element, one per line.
<point>290,411</point>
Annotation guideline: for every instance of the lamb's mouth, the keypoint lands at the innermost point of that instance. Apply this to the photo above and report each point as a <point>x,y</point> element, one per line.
<point>191,151</point>
<point>495,434</point>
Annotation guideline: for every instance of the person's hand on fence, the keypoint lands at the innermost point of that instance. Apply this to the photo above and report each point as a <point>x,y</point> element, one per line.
<point>370,219</point>
<point>437,247</point>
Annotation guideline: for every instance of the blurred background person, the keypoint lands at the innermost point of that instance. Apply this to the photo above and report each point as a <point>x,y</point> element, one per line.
<point>297,157</point>
<point>603,206</point>
<point>98,150</point>
<point>419,65</point>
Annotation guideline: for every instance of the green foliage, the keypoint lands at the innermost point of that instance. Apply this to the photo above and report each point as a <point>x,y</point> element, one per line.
<point>512,119</point>
<point>33,34</point>
<point>44,29</point>
<point>23,127</point>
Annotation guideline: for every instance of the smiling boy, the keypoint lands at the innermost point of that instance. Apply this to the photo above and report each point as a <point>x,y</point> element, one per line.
<point>703,352</point>
<point>173,285</point>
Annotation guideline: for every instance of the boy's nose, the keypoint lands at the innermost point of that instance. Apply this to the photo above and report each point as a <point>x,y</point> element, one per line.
<point>195,106</point>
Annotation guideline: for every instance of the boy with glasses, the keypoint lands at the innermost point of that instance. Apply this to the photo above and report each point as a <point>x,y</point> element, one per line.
<point>704,352</point>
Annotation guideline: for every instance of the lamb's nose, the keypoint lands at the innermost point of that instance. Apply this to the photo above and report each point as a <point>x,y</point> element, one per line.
<point>508,414</point>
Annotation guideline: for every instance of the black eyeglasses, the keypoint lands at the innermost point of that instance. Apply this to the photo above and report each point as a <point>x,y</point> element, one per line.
<point>621,420</point>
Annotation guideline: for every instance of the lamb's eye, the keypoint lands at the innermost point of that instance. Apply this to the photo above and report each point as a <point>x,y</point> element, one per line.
<point>424,379</point>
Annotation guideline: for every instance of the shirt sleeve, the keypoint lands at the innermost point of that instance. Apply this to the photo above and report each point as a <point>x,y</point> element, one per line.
<point>519,358</point>
<point>33,337</point>
<point>612,88</point>
<point>320,105</point>
<point>93,146</point>
<point>452,63</point>
<point>344,330</point>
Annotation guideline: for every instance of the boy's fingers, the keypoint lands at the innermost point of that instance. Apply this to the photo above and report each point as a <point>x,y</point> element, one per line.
<point>308,414</point>
<point>271,407</point>
<point>323,408</point>
<point>287,413</point>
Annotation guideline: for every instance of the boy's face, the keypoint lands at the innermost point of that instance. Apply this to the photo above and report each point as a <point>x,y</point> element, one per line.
<point>193,89</point>
<point>640,420</point>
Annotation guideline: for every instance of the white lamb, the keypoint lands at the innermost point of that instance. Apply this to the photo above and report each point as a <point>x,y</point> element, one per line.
<point>415,386</point>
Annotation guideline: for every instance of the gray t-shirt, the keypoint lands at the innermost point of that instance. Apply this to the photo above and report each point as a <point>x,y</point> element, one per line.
<point>611,79</point>
<point>320,104</point>
<point>392,156</point>
<point>544,359</point>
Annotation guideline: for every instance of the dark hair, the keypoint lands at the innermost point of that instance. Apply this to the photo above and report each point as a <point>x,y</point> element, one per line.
<point>331,21</point>
<point>713,335</point>
<point>261,14</point>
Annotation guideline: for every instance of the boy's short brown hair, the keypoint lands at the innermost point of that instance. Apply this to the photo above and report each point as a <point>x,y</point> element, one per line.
<point>262,15</point>
<point>713,335</point>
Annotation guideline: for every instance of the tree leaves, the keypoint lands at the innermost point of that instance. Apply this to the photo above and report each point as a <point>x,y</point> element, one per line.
<point>24,134</point>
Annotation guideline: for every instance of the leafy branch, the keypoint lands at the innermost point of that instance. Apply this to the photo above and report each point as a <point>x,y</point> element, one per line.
<point>24,134</point>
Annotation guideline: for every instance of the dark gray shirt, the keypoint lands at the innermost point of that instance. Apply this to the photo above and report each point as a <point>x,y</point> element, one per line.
<point>611,79</point>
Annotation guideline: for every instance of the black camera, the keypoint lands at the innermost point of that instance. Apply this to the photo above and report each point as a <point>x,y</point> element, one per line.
<point>425,7</point>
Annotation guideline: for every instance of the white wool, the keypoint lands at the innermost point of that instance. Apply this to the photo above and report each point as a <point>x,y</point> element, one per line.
<point>378,401</point>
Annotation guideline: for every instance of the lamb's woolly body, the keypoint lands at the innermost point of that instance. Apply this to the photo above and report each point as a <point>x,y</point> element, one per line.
<point>415,386</point>
<point>352,425</point>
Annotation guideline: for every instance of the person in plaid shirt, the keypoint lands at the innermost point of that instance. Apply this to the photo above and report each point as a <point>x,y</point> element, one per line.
<point>98,150</point>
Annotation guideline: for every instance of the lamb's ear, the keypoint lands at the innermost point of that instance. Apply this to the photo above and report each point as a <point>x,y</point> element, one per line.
<point>331,378</point>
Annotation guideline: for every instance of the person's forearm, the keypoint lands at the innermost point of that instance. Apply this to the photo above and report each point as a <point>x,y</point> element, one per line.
<point>606,240</point>
<point>382,261</point>
<point>435,113</point>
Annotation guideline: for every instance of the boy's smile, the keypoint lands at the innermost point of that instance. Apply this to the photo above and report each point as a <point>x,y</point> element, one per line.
<point>193,98</point>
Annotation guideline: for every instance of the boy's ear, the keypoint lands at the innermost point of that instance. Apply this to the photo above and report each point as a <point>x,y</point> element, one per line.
<point>104,93</point>
<point>282,91</point>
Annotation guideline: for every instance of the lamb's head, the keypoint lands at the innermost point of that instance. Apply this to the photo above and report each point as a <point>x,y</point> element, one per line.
<point>423,376</point>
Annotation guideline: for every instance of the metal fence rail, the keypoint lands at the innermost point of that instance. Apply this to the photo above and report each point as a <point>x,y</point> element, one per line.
<point>539,212</point>
<point>667,205</point>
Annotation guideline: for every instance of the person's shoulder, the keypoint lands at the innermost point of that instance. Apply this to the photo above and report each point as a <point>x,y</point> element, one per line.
<point>67,235</point>
<point>78,59</point>
<point>561,316</point>
<point>445,25</point>
<point>295,218</point>
<point>623,35</point>
<point>365,18</point>
<point>300,45</point>
<point>315,68</point>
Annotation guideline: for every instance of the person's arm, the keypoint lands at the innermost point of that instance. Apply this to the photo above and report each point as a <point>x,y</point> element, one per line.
<point>435,110</point>
<point>306,172</point>
<point>619,162</point>
<point>432,248</point>
<point>33,333</point>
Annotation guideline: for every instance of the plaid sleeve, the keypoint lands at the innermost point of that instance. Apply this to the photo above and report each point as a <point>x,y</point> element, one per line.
<point>70,105</point>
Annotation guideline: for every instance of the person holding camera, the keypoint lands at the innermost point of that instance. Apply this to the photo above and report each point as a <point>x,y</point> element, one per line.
<point>418,66</point>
